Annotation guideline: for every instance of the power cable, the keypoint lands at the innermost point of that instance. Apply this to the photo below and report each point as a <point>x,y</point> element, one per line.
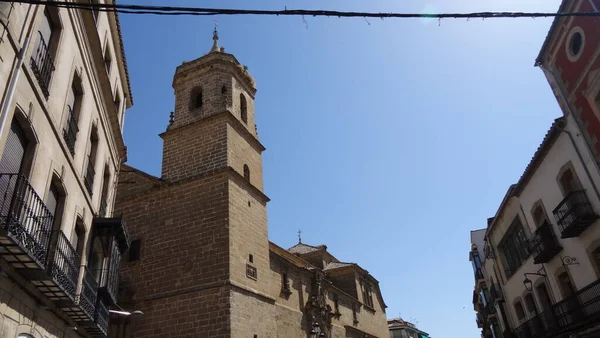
<point>172,10</point>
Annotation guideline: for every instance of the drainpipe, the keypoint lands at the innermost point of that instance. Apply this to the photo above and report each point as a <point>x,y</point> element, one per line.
<point>14,79</point>
<point>563,98</point>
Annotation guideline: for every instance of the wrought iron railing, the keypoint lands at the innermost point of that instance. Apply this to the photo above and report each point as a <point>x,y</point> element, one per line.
<point>112,273</point>
<point>544,244</point>
<point>89,176</point>
<point>102,317</point>
<point>65,264</point>
<point>576,311</point>
<point>495,293</point>
<point>574,214</point>
<point>70,132</point>
<point>88,294</point>
<point>25,217</point>
<point>478,274</point>
<point>42,64</point>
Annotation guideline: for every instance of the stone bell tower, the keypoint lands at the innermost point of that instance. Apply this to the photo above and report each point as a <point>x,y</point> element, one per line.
<point>204,261</point>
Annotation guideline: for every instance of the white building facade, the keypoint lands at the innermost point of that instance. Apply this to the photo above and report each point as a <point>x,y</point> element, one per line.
<point>542,248</point>
<point>65,89</point>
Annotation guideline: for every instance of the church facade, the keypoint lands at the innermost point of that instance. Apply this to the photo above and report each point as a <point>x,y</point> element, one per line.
<point>200,262</point>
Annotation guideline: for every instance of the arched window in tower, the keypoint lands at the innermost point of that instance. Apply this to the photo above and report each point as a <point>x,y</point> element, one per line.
<point>196,99</point>
<point>223,90</point>
<point>243,108</point>
<point>246,172</point>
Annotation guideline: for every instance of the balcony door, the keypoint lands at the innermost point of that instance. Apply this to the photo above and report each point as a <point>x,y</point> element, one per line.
<point>11,164</point>
<point>569,182</point>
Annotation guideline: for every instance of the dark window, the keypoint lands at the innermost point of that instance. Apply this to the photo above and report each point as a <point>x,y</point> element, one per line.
<point>519,310</point>
<point>530,304</point>
<point>243,108</point>
<point>14,150</point>
<point>514,247</point>
<point>575,44</point>
<point>251,258</point>
<point>223,90</point>
<point>96,258</point>
<point>543,296</point>
<point>74,98</point>
<point>367,295</point>
<point>566,287</point>
<point>569,182</point>
<point>118,103</point>
<point>285,282</point>
<point>79,237</point>
<point>107,59</point>
<point>197,97</point>
<point>246,172</point>
<point>539,216</point>
<point>104,198</point>
<point>135,250</point>
<point>54,203</point>
<point>41,59</point>
<point>91,165</point>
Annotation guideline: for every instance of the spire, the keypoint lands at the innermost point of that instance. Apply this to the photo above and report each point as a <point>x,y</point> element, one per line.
<point>215,46</point>
<point>299,237</point>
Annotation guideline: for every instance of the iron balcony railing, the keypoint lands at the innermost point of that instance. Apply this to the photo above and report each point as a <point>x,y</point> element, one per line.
<point>42,64</point>
<point>544,244</point>
<point>25,218</point>
<point>101,319</point>
<point>478,274</point>
<point>88,294</point>
<point>109,281</point>
<point>575,312</point>
<point>574,214</point>
<point>89,176</point>
<point>70,132</point>
<point>495,293</point>
<point>65,266</point>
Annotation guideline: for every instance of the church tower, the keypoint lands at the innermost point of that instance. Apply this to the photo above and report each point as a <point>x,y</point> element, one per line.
<point>202,259</point>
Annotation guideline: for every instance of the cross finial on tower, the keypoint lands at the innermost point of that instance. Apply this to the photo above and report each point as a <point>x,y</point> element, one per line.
<point>299,236</point>
<point>215,47</point>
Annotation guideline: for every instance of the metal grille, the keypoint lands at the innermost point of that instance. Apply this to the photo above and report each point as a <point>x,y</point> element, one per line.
<point>574,214</point>
<point>89,176</point>
<point>112,280</point>
<point>26,221</point>
<point>87,296</point>
<point>42,64</point>
<point>102,317</point>
<point>65,265</point>
<point>544,244</point>
<point>70,131</point>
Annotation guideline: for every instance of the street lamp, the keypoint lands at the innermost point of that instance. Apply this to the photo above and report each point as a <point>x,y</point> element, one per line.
<point>528,283</point>
<point>126,313</point>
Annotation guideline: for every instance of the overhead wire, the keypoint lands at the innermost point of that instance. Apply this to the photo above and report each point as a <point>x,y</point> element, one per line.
<point>175,11</point>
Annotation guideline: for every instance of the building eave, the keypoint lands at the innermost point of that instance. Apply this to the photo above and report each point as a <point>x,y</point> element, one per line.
<point>125,69</point>
<point>539,60</point>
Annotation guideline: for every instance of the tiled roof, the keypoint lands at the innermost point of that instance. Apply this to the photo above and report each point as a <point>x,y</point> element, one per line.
<point>123,54</point>
<point>336,265</point>
<point>302,248</point>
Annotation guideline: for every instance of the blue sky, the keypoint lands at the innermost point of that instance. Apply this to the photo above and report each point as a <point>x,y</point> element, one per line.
<point>387,140</point>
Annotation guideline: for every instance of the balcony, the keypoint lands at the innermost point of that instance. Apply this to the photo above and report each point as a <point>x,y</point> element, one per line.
<point>544,244</point>
<point>70,133</point>
<point>59,281</point>
<point>113,231</point>
<point>25,224</point>
<point>85,310</point>
<point>574,214</point>
<point>89,176</point>
<point>576,312</point>
<point>42,65</point>
<point>495,294</point>
<point>99,327</point>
